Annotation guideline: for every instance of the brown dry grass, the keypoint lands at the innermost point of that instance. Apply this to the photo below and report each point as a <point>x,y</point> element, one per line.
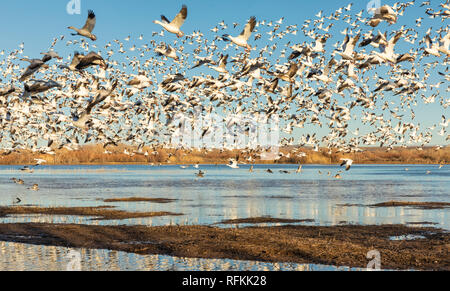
<point>94,154</point>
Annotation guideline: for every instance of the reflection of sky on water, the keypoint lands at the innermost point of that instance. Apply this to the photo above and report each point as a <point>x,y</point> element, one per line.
<point>19,257</point>
<point>235,193</point>
<point>223,194</point>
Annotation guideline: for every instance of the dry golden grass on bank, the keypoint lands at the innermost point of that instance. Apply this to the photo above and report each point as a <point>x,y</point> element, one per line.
<point>95,154</point>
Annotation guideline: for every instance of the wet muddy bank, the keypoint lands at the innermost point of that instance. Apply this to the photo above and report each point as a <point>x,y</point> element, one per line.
<point>412,204</point>
<point>343,245</point>
<point>98,213</point>
<point>139,199</point>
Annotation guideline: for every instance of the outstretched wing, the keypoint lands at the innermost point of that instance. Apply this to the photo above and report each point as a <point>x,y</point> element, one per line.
<point>164,19</point>
<point>330,64</point>
<point>90,22</point>
<point>223,60</point>
<point>249,27</point>
<point>180,18</point>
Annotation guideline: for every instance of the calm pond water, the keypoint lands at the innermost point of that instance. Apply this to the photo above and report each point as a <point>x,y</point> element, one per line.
<point>223,193</point>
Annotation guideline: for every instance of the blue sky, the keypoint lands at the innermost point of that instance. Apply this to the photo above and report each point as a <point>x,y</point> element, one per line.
<point>36,23</point>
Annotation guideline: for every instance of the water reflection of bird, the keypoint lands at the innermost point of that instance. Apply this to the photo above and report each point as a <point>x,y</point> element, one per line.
<point>251,169</point>
<point>299,169</point>
<point>27,169</point>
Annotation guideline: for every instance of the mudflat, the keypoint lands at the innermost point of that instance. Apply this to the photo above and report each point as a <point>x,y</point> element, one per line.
<point>343,245</point>
<point>99,212</point>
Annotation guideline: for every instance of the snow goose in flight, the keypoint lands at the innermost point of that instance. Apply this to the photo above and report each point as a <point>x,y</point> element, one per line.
<point>81,62</point>
<point>349,47</point>
<point>88,27</point>
<point>81,121</point>
<point>347,163</point>
<point>39,86</point>
<point>177,22</point>
<point>386,13</point>
<point>387,52</point>
<point>444,44</point>
<point>39,162</point>
<point>233,164</point>
<point>221,68</point>
<point>140,81</point>
<point>201,61</point>
<point>36,64</point>
<point>241,40</point>
<point>432,48</point>
<point>50,55</point>
<point>6,92</point>
<point>166,50</point>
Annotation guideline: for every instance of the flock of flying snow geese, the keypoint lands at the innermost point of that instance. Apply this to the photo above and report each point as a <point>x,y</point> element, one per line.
<point>132,93</point>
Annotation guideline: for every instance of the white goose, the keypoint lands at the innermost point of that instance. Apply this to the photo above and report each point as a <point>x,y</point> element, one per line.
<point>241,40</point>
<point>177,22</point>
<point>347,163</point>
<point>432,48</point>
<point>166,50</point>
<point>349,47</point>
<point>385,12</point>
<point>88,27</point>
<point>387,52</point>
<point>444,44</point>
<point>233,164</point>
<point>221,67</point>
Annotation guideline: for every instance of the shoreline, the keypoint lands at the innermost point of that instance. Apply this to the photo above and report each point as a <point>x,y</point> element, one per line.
<point>127,155</point>
<point>215,164</point>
